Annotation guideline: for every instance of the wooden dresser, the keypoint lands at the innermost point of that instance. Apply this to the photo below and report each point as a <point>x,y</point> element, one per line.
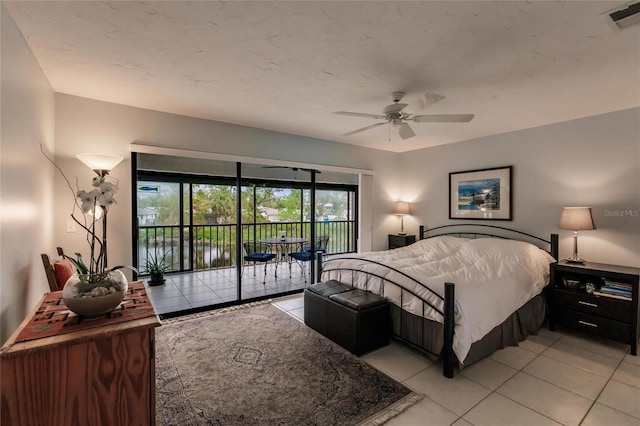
<point>60,369</point>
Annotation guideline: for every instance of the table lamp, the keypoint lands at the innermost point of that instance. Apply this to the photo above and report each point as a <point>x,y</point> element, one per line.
<point>576,219</point>
<point>402,208</point>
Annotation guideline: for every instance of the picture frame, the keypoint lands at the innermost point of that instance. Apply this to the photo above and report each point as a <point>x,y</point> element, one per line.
<point>484,194</point>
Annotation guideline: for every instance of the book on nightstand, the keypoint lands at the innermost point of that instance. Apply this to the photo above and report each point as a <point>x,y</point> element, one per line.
<point>615,290</point>
<point>613,296</point>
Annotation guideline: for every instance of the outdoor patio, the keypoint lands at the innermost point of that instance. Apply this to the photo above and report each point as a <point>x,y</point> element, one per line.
<point>192,291</point>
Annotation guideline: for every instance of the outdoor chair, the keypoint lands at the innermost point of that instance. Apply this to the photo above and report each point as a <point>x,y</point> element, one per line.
<point>321,244</point>
<point>57,271</point>
<point>258,252</point>
<point>301,257</point>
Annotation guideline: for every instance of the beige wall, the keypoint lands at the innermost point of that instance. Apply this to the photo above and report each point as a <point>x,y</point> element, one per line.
<point>26,178</point>
<point>84,125</point>
<point>591,162</point>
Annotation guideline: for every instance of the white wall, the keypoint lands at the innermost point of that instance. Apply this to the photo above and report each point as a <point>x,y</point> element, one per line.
<point>84,125</point>
<point>26,178</point>
<point>592,162</point>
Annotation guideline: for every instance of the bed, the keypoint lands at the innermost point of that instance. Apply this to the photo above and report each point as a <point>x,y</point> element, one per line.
<point>461,291</point>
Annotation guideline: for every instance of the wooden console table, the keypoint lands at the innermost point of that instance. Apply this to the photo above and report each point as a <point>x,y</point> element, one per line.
<point>60,369</point>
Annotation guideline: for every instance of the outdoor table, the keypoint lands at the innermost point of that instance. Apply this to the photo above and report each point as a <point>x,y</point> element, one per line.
<point>283,246</point>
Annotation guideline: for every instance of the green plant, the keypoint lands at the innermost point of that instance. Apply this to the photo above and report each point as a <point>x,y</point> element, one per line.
<point>86,275</point>
<point>156,264</point>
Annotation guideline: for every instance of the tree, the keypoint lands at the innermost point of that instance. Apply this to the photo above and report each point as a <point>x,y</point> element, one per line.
<point>289,206</point>
<point>214,204</point>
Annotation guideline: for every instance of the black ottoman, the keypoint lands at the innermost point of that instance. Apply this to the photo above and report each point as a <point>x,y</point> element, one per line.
<point>316,300</point>
<point>358,321</point>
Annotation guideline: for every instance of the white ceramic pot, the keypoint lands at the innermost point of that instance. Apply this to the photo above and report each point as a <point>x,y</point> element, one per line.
<point>93,295</point>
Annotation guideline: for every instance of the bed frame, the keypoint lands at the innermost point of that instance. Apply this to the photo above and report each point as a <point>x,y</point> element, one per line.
<point>449,359</point>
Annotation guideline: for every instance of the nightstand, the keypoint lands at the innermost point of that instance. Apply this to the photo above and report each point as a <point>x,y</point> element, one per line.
<point>597,298</point>
<point>396,240</point>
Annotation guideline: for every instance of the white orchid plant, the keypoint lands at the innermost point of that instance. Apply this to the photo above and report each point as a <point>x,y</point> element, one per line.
<point>95,205</point>
<point>101,196</point>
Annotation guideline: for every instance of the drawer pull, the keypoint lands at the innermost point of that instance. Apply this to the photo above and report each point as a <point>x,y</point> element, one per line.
<point>590,324</point>
<point>593,305</point>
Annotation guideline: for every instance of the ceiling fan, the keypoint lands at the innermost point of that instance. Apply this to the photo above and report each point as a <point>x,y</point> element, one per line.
<point>295,169</point>
<point>396,116</point>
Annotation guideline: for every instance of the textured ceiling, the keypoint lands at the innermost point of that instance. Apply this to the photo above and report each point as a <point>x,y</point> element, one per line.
<point>287,66</point>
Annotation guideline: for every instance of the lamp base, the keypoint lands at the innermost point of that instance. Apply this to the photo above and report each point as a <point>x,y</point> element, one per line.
<point>402,233</point>
<point>575,261</point>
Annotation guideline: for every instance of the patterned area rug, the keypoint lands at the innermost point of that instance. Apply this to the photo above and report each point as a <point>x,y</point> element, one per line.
<point>260,366</point>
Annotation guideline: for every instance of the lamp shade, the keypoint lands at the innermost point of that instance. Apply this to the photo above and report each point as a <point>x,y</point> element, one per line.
<point>102,162</point>
<point>402,208</point>
<point>576,218</point>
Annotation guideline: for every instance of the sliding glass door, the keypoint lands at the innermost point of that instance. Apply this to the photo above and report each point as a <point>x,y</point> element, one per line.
<point>199,223</point>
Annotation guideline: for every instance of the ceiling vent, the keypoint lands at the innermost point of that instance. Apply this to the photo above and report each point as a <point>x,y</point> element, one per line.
<point>623,17</point>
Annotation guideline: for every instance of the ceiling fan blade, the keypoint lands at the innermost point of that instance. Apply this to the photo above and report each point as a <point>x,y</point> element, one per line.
<point>394,108</point>
<point>424,101</point>
<point>359,114</point>
<point>364,128</point>
<point>295,169</point>
<point>405,131</point>
<point>443,118</point>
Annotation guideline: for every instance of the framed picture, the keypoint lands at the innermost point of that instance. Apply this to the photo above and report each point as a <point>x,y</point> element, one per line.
<point>481,194</point>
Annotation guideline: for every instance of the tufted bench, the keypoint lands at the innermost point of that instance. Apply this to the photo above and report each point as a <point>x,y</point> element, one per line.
<point>355,319</point>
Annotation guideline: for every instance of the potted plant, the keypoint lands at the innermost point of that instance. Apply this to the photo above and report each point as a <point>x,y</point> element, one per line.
<point>156,266</point>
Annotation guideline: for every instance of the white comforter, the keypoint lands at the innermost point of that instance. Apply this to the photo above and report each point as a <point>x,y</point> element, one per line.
<point>493,278</point>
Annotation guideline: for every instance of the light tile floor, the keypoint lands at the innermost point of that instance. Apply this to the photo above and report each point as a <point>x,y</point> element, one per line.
<point>554,378</point>
<point>194,290</point>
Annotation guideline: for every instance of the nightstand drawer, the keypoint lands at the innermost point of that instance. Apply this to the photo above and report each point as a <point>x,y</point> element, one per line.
<point>602,326</point>
<point>615,309</point>
<point>396,241</point>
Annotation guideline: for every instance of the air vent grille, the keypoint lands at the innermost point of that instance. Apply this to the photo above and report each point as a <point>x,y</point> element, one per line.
<point>624,17</point>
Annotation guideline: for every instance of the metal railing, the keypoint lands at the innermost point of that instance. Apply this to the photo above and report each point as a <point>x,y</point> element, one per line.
<point>213,245</point>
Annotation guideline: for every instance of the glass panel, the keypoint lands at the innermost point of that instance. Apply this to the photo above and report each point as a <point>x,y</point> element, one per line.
<point>214,227</point>
<point>272,225</point>
<point>158,221</point>
<point>334,218</point>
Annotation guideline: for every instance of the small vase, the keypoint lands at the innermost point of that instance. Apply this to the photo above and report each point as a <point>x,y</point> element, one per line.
<point>92,295</point>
